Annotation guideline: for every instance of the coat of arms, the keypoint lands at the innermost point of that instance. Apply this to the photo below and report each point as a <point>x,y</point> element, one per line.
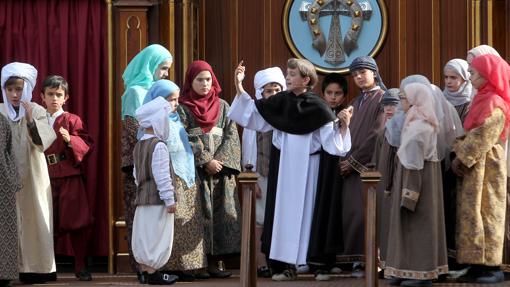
<point>331,33</point>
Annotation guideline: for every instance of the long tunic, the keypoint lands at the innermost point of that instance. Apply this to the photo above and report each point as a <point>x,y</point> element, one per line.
<point>416,240</point>
<point>366,121</point>
<point>71,211</point>
<point>481,203</point>
<point>188,251</point>
<point>385,161</point>
<point>10,184</point>
<point>220,202</point>
<point>297,178</point>
<point>326,240</point>
<point>35,216</point>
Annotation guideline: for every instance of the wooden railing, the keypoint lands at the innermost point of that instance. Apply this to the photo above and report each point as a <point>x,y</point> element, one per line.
<point>247,181</point>
<point>370,180</point>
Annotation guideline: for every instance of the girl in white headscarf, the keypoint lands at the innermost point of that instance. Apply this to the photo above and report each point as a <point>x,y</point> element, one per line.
<point>458,89</point>
<point>153,224</point>
<point>31,135</point>
<point>416,252</point>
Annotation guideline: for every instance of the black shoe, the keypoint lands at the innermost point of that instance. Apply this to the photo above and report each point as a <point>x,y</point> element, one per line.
<point>36,278</point>
<point>490,277</point>
<point>264,272</point>
<point>470,276</point>
<point>142,277</point>
<point>416,283</point>
<point>202,275</point>
<point>395,281</point>
<point>158,278</point>
<point>183,276</point>
<point>220,274</point>
<point>83,275</point>
<point>5,283</point>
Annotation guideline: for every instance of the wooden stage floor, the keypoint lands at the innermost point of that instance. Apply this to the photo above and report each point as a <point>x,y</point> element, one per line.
<point>103,279</point>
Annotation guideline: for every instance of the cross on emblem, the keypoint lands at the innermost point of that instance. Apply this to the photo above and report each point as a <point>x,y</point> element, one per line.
<point>333,50</point>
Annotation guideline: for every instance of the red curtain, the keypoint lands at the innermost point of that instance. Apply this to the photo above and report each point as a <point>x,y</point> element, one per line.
<point>68,38</point>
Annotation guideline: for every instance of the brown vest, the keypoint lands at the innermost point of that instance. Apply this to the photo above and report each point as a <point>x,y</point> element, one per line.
<point>146,191</point>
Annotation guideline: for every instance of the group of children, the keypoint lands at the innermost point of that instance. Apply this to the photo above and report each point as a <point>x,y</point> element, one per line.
<point>441,198</point>
<point>181,154</point>
<point>43,191</point>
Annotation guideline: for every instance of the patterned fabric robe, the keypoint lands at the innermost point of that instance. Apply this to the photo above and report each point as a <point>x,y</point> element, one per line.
<point>9,185</point>
<point>219,199</point>
<point>481,203</point>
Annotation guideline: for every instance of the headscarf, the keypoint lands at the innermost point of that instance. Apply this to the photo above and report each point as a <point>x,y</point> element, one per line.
<point>140,71</point>
<point>390,97</point>
<point>367,62</point>
<point>394,126</point>
<point>29,75</point>
<point>264,77</point>
<point>183,160</point>
<point>155,115</point>
<point>419,135</point>
<point>438,108</point>
<point>495,93</point>
<point>450,125</point>
<point>465,91</point>
<point>205,109</point>
<point>139,76</point>
<point>483,50</point>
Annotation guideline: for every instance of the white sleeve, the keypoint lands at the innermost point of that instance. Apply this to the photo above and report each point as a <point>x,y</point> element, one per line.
<point>134,175</point>
<point>332,141</point>
<point>249,149</point>
<point>161,171</point>
<point>244,112</point>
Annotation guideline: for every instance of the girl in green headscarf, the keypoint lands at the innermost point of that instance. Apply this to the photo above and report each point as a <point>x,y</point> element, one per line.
<point>148,66</point>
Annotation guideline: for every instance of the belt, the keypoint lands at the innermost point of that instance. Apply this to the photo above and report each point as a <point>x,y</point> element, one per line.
<point>52,159</point>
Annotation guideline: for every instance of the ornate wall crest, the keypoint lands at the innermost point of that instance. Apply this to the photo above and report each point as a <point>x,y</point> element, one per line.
<point>331,33</point>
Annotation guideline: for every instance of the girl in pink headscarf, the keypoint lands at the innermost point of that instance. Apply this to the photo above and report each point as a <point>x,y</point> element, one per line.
<point>481,161</point>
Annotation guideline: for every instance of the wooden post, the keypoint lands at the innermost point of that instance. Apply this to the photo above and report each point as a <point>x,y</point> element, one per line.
<point>370,180</point>
<point>247,181</point>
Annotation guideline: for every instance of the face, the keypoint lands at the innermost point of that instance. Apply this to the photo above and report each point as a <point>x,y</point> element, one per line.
<point>271,89</point>
<point>295,82</point>
<point>14,92</point>
<point>173,99</point>
<point>403,100</point>
<point>334,95</point>
<point>364,79</point>
<point>452,80</point>
<point>202,83</point>
<point>54,98</point>
<point>389,111</point>
<point>162,70</point>
<point>476,79</point>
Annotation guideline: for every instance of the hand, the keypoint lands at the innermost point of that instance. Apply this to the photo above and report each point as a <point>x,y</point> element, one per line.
<point>65,134</point>
<point>213,167</point>
<point>258,191</point>
<point>345,117</point>
<point>28,110</point>
<point>171,208</point>
<point>458,167</point>
<point>239,73</point>
<point>345,168</point>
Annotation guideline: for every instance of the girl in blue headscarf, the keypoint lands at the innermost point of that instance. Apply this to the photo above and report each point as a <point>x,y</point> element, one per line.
<point>188,248</point>
<point>148,66</point>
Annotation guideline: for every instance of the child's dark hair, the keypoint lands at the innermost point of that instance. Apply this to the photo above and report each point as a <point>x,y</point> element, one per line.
<point>11,80</point>
<point>335,78</point>
<point>55,81</point>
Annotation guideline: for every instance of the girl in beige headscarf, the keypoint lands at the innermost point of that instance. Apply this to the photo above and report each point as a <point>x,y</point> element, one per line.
<point>416,252</point>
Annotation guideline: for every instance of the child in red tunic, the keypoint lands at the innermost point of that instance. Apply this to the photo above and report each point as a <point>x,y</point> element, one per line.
<point>71,210</point>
